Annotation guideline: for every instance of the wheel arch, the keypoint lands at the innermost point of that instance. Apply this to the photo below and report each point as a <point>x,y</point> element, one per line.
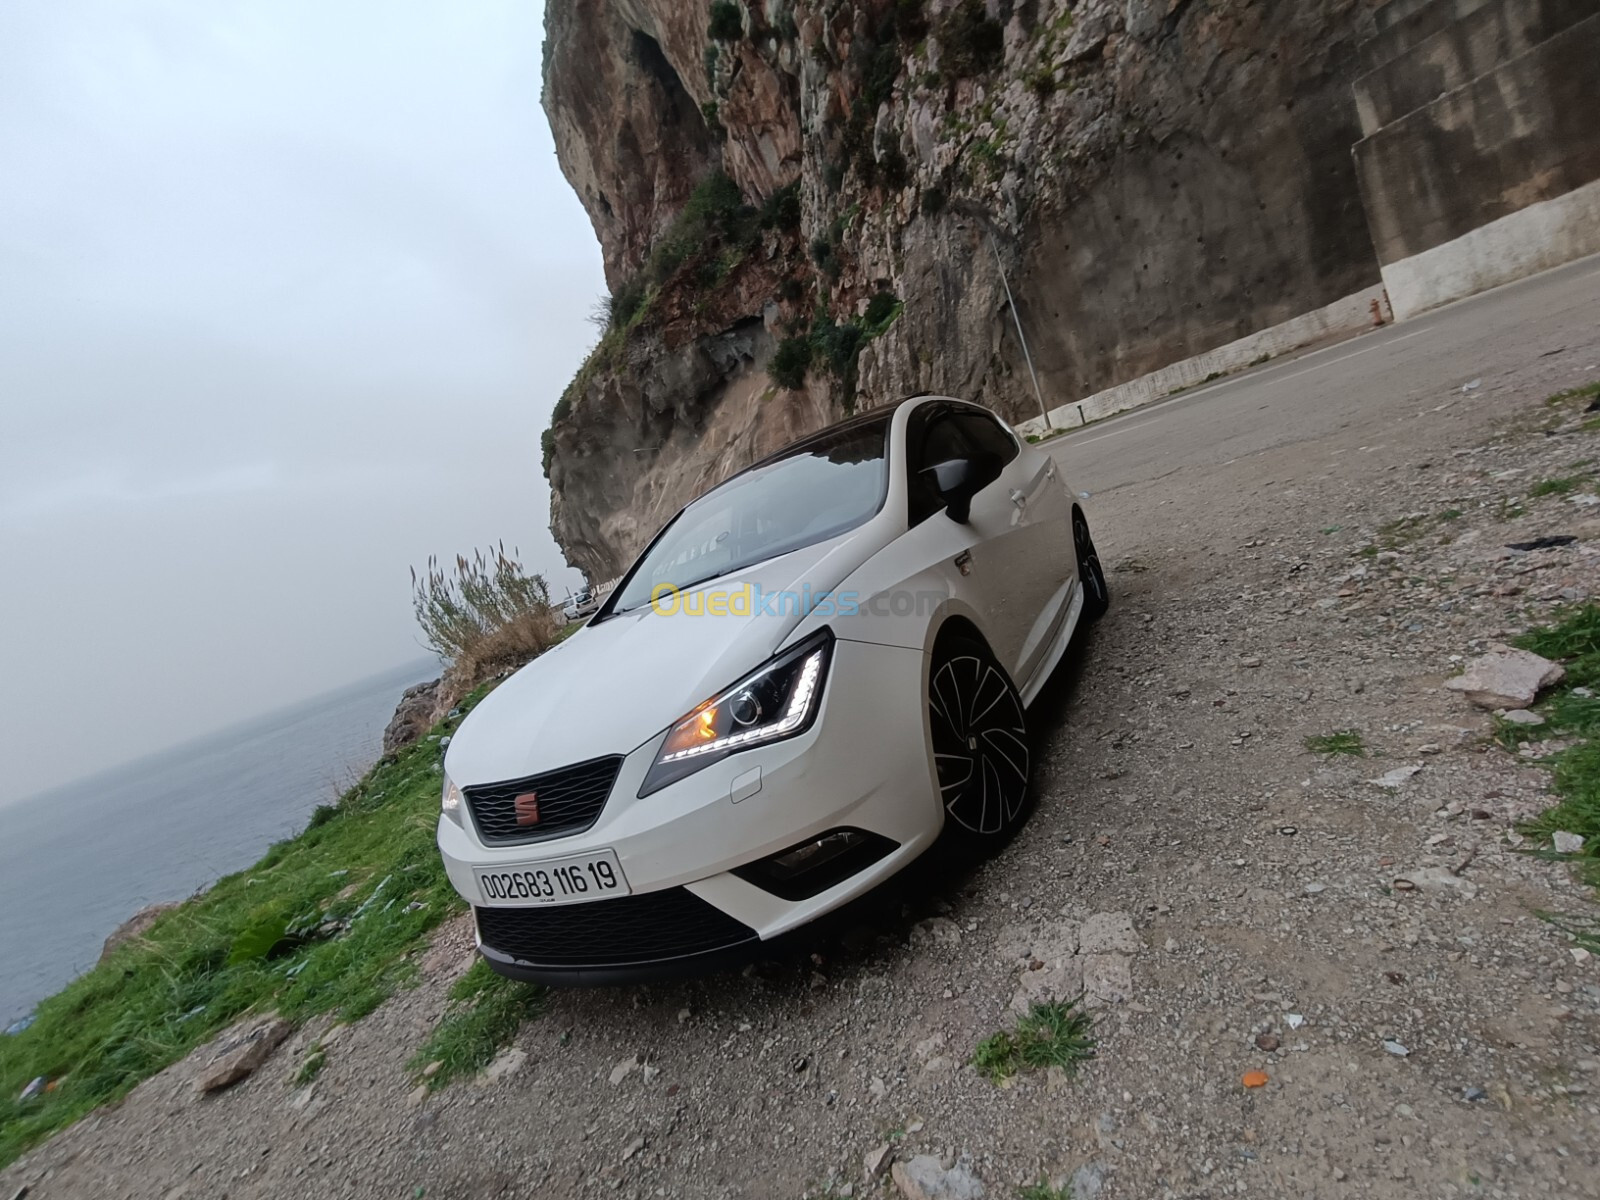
<point>956,625</point>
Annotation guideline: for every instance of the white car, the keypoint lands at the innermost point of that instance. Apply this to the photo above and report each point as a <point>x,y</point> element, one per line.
<point>816,670</point>
<point>581,605</point>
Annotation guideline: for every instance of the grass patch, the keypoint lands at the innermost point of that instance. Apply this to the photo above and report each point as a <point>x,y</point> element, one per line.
<point>1559,486</point>
<point>1343,741</point>
<point>486,1010</point>
<point>1571,711</point>
<point>326,922</point>
<point>1575,641</point>
<point>1044,1191</point>
<point>1586,391</point>
<point>311,1066</point>
<point>1051,1035</point>
<point>1404,529</point>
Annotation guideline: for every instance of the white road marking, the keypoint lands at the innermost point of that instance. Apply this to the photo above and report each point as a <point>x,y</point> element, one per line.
<point>1355,354</point>
<point>1222,383</point>
<point>1114,433</point>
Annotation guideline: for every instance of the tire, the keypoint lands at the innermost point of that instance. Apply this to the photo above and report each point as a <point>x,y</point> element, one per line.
<point>981,752</point>
<point>1096,594</point>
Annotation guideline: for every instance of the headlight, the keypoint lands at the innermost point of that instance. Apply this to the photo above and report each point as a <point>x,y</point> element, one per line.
<point>776,701</point>
<point>450,802</point>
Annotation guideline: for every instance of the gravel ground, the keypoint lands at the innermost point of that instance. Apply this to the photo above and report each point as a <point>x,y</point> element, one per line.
<point>1226,895</point>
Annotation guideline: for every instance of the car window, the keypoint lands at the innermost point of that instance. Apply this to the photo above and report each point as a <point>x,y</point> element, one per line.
<point>933,436</point>
<point>987,434</point>
<point>937,433</point>
<point>813,491</point>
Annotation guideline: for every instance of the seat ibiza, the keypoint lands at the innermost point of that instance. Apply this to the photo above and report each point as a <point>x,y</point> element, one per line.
<point>811,674</point>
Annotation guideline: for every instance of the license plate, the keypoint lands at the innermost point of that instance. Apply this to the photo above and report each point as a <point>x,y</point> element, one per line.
<point>569,880</point>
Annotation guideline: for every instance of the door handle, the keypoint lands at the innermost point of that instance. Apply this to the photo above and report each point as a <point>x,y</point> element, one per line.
<point>1019,497</point>
<point>963,562</point>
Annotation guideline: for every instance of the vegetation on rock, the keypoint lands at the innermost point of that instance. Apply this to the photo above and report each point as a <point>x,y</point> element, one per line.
<point>484,1014</point>
<point>1050,1035</point>
<point>970,42</point>
<point>727,21</point>
<point>330,921</point>
<point>484,616</point>
<point>833,345</point>
<point>710,239</point>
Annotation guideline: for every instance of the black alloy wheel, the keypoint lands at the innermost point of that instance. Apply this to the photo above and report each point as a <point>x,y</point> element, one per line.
<point>980,742</point>
<point>1096,595</point>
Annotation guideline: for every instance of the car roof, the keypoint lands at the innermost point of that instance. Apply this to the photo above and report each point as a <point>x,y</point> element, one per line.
<point>882,415</point>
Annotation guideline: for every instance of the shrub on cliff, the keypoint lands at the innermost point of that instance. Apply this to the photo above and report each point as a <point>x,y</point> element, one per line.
<point>782,208</point>
<point>727,22</point>
<point>483,617</point>
<point>970,43</point>
<point>882,309</point>
<point>790,362</point>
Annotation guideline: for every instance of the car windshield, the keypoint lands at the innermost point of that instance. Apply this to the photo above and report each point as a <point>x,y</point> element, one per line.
<point>813,491</point>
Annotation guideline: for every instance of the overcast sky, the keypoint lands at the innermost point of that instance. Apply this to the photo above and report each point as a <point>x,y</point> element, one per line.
<point>288,289</point>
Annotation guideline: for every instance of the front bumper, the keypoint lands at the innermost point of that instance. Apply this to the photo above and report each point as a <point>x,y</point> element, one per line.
<point>864,765</point>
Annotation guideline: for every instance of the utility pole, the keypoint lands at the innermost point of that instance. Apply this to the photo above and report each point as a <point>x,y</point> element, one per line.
<point>1016,317</point>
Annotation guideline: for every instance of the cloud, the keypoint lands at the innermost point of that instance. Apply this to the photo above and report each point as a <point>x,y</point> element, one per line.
<point>289,292</point>
<point>118,490</point>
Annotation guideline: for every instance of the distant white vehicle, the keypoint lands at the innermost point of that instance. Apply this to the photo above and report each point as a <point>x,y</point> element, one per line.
<point>581,605</point>
<point>814,672</point>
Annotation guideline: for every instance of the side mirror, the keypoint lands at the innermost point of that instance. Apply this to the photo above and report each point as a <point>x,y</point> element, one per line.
<point>958,480</point>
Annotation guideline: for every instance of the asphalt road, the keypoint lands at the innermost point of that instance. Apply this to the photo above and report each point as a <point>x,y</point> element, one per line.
<point>1339,398</point>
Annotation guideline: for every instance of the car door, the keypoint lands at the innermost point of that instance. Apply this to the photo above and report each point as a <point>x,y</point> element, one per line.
<point>984,560</point>
<point>1039,561</point>
<point>983,565</point>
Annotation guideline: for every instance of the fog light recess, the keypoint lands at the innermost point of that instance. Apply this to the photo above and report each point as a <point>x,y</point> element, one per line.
<point>815,865</point>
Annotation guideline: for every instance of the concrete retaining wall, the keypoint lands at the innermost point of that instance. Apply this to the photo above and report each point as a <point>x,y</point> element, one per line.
<point>1525,132</point>
<point>1404,23</point>
<point>1532,239</point>
<point>1347,316</point>
<point>1457,54</point>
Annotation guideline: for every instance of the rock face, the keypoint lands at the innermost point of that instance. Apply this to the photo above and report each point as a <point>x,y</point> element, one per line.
<point>630,138</point>
<point>413,716</point>
<point>135,927</point>
<point>1158,177</point>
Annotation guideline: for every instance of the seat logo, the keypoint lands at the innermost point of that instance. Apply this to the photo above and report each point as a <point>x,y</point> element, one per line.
<point>526,806</point>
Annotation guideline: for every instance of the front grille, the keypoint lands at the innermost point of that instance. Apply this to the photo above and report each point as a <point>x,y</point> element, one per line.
<point>651,927</point>
<point>569,801</point>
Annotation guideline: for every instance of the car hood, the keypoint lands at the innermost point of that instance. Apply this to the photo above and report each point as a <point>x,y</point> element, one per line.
<point>615,684</point>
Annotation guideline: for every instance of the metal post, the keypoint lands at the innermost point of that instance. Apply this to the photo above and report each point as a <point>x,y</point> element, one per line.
<point>1021,337</point>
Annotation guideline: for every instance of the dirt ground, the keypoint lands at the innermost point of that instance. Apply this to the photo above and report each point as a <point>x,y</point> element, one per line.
<point>1176,792</point>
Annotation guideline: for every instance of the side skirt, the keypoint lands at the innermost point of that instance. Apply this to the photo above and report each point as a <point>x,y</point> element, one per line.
<point>1058,649</point>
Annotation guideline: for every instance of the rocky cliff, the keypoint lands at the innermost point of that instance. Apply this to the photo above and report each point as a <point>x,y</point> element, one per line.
<point>804,206</point>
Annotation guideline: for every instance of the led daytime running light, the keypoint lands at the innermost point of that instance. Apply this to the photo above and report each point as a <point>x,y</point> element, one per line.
<point>793,717</point>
